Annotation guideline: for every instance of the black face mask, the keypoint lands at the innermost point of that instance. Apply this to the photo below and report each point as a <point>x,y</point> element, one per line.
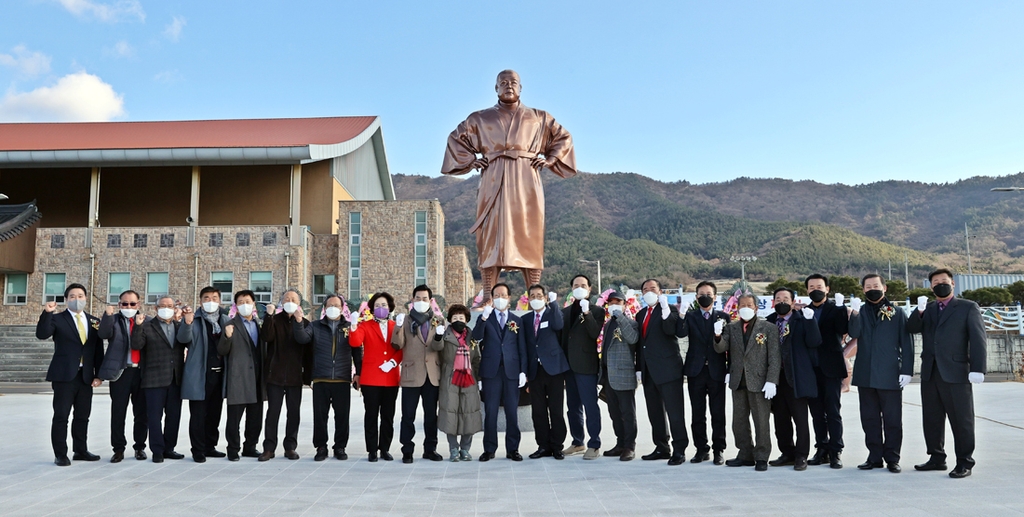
<point>705,301</point>
<point>817,296</point>
<point>874,295</point>
<point>942,290</point>
<point>782,309</point>
<point>459,326</point>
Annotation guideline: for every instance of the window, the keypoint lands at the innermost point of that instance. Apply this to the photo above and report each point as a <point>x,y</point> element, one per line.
<point>117,283</point>
<point>156,286</point>
<point>166,240</point>
<point>216,240</point>
<point>354,257</point>
<point>141,240</point>
<point>223,280</point>
<point>261,284</point>
<point>270,238</point>
<point>421,248</point>
<point>57,242</point>
<point>323,285</point>
<point>242,239</point>
<point>16,292</point>
<point>53,287</point>
<point>114,240</point>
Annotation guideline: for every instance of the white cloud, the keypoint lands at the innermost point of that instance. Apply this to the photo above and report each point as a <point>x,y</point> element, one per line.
<point>27,63</point>
<point>173,29</point>
<point>123,49</point>
<point>108,12</point>
<point>77,97</point>
<point>168,76</point>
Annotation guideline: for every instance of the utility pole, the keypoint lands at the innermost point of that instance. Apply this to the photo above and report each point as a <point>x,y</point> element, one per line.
<point>967,239</point>
<point>598,262</point>
<point>906,269</point>
<point>743,259</point>
<point>890,269</point>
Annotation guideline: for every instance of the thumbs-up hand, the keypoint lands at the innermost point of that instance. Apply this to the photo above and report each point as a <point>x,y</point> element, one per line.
<point>840,299</point>
<point>109,311</point>
<point>856,304</point>
<point>922,303</point>
<point>719,325</point>
<point>140,318</point>
<point>229,330</point>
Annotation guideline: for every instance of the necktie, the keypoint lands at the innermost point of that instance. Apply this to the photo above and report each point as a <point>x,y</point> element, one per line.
<point>135,354</point>
<point>707,315</point>
<point>536,323</point>
<point>501,319</point>
<point>647,318</point>
<point>782,328</point>
<point>81,327</point>
<point>942,305</point>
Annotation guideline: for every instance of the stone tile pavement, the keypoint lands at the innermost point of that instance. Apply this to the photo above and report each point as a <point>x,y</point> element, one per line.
<point>30,485</point>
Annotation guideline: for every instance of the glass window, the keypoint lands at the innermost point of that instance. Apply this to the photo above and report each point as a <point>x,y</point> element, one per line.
<point>421,248</point>
<point>16,292</point>
<point>323,285</point>
<point>53,288</point>
<point>261,284</point>
<point>117,283</point>
<point>156,286</point>
<point>224,280</point>
<point>354,253</point>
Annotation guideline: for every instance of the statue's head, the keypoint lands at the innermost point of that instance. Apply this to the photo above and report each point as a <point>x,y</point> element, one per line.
<point>508,86</point>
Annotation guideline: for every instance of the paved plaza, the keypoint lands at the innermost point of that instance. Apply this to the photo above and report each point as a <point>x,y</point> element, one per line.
<point>31,485</point>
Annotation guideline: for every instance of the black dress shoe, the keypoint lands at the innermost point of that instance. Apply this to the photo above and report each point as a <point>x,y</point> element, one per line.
<point>292,455</point>
<point>558,455</point>
<point>656,455</point>
<point>895,467</point>
<point>821,457</point>
<point>386,456</point>
<point>736,462</point>
<point>158,458</point>
<point>868,465</point>
<point>800,464</point>
<point>487,456</point>
<point>627,455</point>
<point>700,457</point>
<point>172,455</point>
<point>232,456</point>
<point>930,465</point>
<point>250,453</point>
<point>62,461</point>
<point>432,456</point>
<point>406,458</point>
<point>198,458</point>
<point>836,460</point>
<point>614,451</point>
<point>540,453</point>
<point>372,457</point>
<point>266,456</point>
<point>761,465</point>
<point>781,461</point>
<point>677,459</point>
<point>514,456</point>
<point>214,453</point>
<point>719,459</point>
<point>85,456</point>
<point>340,454</point>
<point>117,457</point>
<point>321,454</point>
<point>960,473</point>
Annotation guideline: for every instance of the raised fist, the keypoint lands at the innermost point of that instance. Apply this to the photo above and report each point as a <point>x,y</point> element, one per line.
<point>922,303</point>
<point>140,318</point>
<point>298,314</point>
<point>439,330</point>
<point>271,309</point>
<point>585,306</point>
<point>663,301</point>
<point>109,311</point>
<point>856,304</point>
<point>177,314</point>
<point>719,325</point>
<point>189,315</point>
<point>808,313</point>
<point>229,330</point>
<point>840,299</point>
<point>50,306</point>
<point>399,319</point>
<point>552,296</point>
<point>487,312</point>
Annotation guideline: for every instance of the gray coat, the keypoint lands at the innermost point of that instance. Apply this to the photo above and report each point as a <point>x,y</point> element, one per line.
<point>757,360</point>
<point>619,352</point>
<point>193,384</point>
<point>243,364</point>
<point>884,348</point>
<point>458,409</point>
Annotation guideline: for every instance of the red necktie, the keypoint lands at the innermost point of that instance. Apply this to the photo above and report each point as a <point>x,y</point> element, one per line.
<point>647,318</point>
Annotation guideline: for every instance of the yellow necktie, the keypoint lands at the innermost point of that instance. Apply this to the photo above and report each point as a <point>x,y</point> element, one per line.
<point>81,328</point>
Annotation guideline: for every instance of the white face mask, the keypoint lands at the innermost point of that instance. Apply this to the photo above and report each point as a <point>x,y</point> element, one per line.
<point>501,303</point>
<point>746,313</point>
<point>211,307</point>
<point>421,307</point>
<point>290,307</point>
<point>245,309</point>
<point>536,304</point>
<point>129,313</point>
<point>579,293</point>
<point>165,313</point>
<point>650,298</point>
<point>333,312</point>
<point>614,309</point>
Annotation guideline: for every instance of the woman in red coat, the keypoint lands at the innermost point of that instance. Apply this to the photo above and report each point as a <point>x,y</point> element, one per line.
<point>380,375</point>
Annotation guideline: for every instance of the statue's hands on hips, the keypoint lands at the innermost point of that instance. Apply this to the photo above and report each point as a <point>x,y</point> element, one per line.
<point>479,164</point>
<point>545,162</point>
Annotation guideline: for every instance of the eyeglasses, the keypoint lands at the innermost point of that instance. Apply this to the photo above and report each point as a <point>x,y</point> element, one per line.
<point>129,304</point>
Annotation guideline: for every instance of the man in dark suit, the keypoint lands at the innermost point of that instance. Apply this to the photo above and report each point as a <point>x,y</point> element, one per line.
<point>502,371</point>
<point>661,372</point>
<point>244,387</point>
<point>705,370</point>
<point>73,371</point>
<point>121,367</point>
<point>202,382</point>
<point>546,368</point>
<point>163,359</point>
<point>579,341</point>
<point>799,339</point>
<point>952,359</point>
<point>829,372</point>
<point>754,365</point>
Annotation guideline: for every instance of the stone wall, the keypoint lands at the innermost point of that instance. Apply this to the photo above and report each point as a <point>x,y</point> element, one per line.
<point>459,284</point>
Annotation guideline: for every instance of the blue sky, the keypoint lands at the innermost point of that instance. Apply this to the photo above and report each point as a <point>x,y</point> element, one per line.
<point>848,92</point>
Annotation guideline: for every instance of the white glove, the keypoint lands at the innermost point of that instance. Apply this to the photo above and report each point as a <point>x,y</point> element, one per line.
<point>769,390</point>
<point>727,379</point>
<point>388,365</point>
<point>439,330</point>
<point>522,380</point>
<point>856,304</point>
<point>904,380</point>
<point>663,302</point>
<point>585,306</point>
<point>922,303</point>
<point>552,296</point>
<point>808,313</point>
<point>976,377</point>
<point>839,300</point>
<point>719,325</point>
<point>487,312</point>
<point>399,320</point>
<point>480,385</point>
<point>354,325</point>
<point>639,378</point>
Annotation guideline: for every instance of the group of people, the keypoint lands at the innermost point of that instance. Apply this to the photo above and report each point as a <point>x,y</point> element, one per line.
<point>789,366</point>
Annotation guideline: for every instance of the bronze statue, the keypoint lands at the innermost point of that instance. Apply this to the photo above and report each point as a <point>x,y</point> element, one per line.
<point>510,144</point>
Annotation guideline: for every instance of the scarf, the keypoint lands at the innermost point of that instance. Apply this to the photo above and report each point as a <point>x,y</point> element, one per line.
<point>418,320</point>
<point>214,320</point>
<point>462,375</point>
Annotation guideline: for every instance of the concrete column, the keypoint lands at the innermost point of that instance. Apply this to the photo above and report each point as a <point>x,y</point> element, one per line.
<point>194,207</point>
<point>94,197</point>
<point>294,231</point>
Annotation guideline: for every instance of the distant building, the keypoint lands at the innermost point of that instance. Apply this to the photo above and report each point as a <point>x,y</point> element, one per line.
<point>963,283</point>
<point>170,207</point>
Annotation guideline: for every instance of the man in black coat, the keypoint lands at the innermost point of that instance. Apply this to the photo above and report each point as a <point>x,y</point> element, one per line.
<point>830,371</point>
<point>73,371</point>
<point>582,326</point>
<point>952,359</point>
<point>163,360</point>
<point>121,367</point>
<point>660,370</point>
<point>546,368</point>
<point>798,343</point>
<point>705,370</point>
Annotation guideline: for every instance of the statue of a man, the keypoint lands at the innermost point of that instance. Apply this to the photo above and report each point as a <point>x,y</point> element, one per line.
<point>510,144</point>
